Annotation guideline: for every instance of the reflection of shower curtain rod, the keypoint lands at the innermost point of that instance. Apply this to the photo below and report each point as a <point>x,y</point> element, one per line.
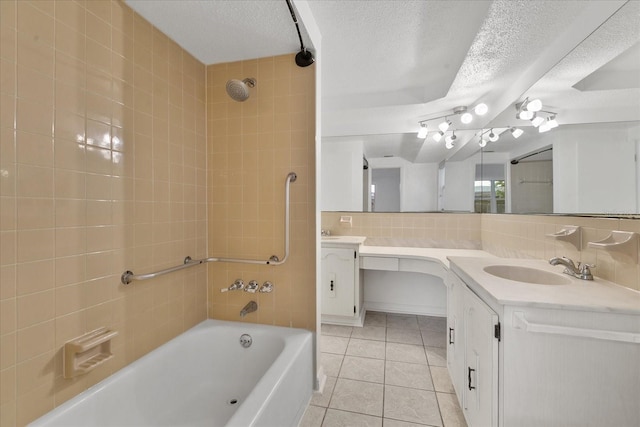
<point>517,160</point>
<point>524,181</point>
<point>128,276</point>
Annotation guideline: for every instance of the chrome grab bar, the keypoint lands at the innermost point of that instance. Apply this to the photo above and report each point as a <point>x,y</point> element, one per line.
<point>128,276</point>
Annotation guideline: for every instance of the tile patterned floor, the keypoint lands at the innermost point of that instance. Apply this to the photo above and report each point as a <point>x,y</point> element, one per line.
<point>391,373</point>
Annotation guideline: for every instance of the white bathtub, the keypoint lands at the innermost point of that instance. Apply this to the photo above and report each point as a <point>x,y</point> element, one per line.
<point>192,380</point>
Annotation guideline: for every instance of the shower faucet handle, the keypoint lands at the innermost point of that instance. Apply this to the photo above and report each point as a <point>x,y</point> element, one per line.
<point>237,285</point>
<point>266,287</point>
<point>252,287</point>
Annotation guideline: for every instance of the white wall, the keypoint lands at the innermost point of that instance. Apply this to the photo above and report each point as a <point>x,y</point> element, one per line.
<point>458,190</point>
<point>418,183</point>
<point>595,169</point>
<point>532,187</point>
<point>342,164</point>
<point>387,185</point>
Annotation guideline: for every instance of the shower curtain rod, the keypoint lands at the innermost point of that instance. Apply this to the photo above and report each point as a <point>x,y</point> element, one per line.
<point>128,276</point>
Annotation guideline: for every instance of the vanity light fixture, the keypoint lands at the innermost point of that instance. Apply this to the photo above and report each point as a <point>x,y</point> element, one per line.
<point>422,133</point>
<point>516,132</point>
<point>444,126</point>
<point>450,140</point>
<point>465,118</point>
<point>537,120</point>
<point>525,115</point>
<point>482,142</point>
<point>481,109</point>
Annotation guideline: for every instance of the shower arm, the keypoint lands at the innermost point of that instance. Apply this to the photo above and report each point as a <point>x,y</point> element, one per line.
<point>128,276</point>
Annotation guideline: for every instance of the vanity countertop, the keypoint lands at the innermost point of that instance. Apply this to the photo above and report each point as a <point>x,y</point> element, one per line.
<point>427,254</point>
<point>592,295</point>
<point>346,240</point>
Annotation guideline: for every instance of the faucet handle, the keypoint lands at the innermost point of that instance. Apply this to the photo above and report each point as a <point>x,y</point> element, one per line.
<point>585,271</point>
<point>266,287</point>
<point>237,285</point>
<point>252,287</point>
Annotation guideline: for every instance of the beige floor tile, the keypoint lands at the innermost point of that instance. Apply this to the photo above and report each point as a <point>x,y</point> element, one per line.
<point>436,356</point>
<point>441,379</point>
<point>408,375</point>
<point>369,333</point>
<point>374,318</point>
<point>407,404</point>
<point>335,345</point>
<point>366,348</point>
<point>323,399</point>
<point>358,396</point>
<point>433,323</point>
<point>336,330</point>
<point>331,363</point>
<point>362,369</point>
<point>312,417</point>
<point>434,338</point>
<point>405,353</point>
<point>388,422</point>
<point>335,418</point>
<point>450,409</point>
<point>401,321</point>
<point>404,336</point>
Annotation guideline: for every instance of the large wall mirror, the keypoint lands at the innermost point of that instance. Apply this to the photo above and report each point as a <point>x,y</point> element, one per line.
<point>587,165</point>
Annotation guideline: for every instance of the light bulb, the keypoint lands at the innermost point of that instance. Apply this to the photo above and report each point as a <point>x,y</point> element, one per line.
<point>466,118</point>
<point>493,137</point>
<point>422,133</point>
<point>552,122</point>
<point>481,109</point>
<point>544,127</point>
<point>537,121</point>
<point>449,144</point>
<point>444,125</point>
<point>482,143</point>
<point>516,132</point>
<point>437,136</point>
<point>525,115</point>
<point>533,105</point>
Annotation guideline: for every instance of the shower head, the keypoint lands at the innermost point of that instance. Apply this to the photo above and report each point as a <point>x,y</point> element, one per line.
<point>238,90</point>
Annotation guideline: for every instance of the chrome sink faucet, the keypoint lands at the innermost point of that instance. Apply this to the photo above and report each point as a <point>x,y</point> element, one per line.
<point>581,271</point>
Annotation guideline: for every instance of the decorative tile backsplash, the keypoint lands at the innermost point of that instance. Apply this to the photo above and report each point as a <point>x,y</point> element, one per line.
<point>512,236</point>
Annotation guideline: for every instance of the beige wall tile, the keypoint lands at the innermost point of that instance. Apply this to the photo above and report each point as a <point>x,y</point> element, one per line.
<point>69,198</point>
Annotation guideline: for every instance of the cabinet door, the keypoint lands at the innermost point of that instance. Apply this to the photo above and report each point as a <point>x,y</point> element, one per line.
<point>338,281</point>
<point>455,333</point>
<point>480,393</point>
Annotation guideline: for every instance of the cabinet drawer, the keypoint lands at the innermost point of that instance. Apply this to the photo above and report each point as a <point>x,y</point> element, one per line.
<point>378,263</point>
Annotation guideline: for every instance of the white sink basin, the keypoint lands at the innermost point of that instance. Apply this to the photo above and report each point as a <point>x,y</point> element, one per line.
<point>527,275</point>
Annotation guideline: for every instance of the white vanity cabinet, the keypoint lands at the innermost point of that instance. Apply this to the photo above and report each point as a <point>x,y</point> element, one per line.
<point>472,353</point>
<point>529,355</point>
<point>341,287</point>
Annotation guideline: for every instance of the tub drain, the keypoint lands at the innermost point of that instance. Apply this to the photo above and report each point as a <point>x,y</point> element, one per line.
<point>246,340</point>
<point>232,401</point>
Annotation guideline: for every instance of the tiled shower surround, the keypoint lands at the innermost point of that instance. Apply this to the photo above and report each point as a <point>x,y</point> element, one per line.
<point>115,145</point>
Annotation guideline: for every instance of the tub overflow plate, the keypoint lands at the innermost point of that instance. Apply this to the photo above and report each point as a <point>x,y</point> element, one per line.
<point>246,340</point>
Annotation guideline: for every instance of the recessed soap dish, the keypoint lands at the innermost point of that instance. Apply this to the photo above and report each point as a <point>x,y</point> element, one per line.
<point>571,234</point>
<point>87,352</point>
<point>622,245</point>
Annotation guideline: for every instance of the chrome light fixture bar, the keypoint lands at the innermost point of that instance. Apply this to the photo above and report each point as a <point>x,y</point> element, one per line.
<point>465,118</point>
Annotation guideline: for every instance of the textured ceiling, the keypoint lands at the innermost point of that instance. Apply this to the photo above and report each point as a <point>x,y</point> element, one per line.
<point>388,64</point>
<point>216,31</point>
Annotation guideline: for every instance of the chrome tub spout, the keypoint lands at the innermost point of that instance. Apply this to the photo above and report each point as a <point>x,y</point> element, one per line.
<point>249,308</point>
